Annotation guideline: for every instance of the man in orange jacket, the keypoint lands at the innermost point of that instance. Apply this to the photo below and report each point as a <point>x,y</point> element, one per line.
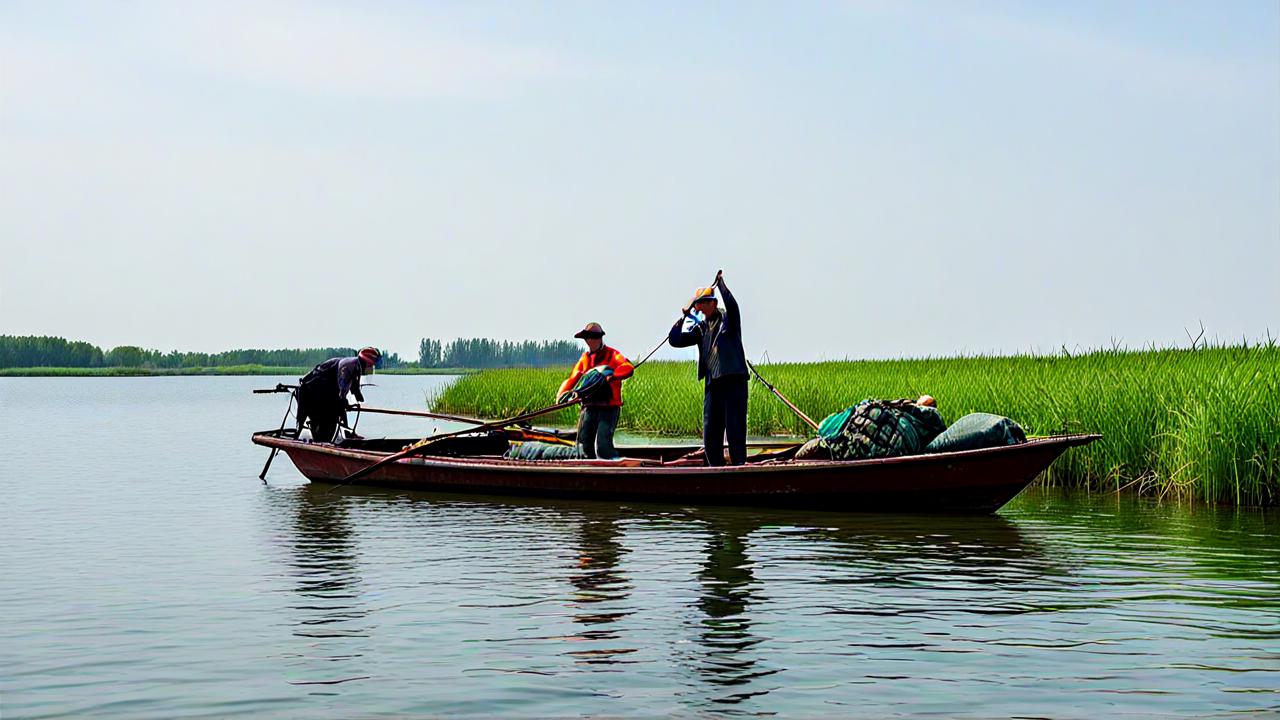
<point>601,409</point>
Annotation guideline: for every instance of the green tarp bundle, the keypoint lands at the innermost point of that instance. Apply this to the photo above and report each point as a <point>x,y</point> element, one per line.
<point>978,430</point>
<point>543,451</point>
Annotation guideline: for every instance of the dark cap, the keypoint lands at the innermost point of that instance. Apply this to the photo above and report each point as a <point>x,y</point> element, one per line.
<point>592,330</point>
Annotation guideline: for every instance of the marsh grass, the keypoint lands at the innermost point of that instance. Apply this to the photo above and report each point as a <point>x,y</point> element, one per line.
<point>1182,423</point>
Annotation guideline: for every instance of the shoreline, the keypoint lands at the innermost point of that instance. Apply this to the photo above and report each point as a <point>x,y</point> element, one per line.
<point>234,370</point>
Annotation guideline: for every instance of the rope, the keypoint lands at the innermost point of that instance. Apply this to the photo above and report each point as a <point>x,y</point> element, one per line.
<point>655,349</point>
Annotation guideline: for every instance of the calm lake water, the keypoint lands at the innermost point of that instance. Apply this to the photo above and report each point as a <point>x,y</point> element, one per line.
<point>148,573</point>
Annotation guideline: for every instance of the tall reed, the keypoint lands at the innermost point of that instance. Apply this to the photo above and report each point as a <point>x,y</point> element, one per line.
<point>1201,423</point>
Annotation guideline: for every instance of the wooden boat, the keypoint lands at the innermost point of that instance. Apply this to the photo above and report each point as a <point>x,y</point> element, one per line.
<point>972,481</point>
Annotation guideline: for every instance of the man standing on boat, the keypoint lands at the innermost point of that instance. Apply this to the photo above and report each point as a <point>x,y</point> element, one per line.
<point>322,393</point>
<point>603,406</point>
<point>722,364</point>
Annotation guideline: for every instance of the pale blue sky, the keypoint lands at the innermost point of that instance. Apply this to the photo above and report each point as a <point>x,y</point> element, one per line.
<point>876,178</point>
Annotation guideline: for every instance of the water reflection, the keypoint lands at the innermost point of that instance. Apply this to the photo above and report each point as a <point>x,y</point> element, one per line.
<point>596,575</point>
<point>327,609</point>
<point>601,589</point>
<point>733,604</point>
<point>897,550</point>
<point>729,658</point>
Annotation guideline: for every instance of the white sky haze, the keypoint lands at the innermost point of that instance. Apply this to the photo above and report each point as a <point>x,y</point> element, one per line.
<point>877,179</point>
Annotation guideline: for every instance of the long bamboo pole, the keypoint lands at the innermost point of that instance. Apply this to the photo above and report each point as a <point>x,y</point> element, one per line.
<point>777,393</point>
<point>419,413</point>
<point>418,447</point>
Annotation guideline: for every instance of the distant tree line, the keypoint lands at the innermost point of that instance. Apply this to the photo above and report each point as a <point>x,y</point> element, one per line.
<point>42,351</point>
<point>45,351</point>
<point>489,353</point>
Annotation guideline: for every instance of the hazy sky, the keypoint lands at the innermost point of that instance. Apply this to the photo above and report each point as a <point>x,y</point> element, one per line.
<point>875,178</point>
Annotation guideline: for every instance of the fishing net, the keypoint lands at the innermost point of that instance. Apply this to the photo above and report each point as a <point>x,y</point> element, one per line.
<point>593,386</point>
<point>880,428</point>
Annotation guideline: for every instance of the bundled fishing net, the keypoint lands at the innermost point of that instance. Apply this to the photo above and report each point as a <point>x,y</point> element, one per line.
<point>875,429</point>
<point>593,386</point>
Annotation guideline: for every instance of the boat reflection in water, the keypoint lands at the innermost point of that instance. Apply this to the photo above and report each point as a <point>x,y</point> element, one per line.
<point>729,658</point>
<point>602,590</point>
<point>755,575</point>
<point>325,580</point>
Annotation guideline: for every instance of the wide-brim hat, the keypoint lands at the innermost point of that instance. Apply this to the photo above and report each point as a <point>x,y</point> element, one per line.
<point>704,293</point>
<point>592,330</point>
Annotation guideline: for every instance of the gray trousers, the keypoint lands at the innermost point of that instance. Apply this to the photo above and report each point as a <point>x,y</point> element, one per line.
<point>595,431</point>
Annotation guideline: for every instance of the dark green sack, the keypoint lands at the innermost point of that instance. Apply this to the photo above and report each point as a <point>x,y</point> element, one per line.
<point>976,431</point>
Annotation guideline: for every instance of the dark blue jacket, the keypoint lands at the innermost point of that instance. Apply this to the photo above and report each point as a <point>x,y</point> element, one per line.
<point>719,340</point>
<point>337,376</point>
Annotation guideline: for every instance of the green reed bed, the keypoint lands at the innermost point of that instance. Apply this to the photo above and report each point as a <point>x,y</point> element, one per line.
<point>1199,422</point>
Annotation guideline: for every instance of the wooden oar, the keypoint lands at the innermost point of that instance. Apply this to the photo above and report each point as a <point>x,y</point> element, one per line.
<point>809,421</point>
<point>521,434</point>
<point>418,413</point>
<point>418,447</point>
<point>664,340</point>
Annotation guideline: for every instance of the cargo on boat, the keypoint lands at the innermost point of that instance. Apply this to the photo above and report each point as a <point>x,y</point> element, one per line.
<point>970,481</point>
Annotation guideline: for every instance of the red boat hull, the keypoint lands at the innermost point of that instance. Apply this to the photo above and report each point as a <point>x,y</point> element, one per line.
<point>975,481</point>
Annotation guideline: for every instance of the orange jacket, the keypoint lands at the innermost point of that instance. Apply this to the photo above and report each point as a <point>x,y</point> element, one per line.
<point>622,369</point>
